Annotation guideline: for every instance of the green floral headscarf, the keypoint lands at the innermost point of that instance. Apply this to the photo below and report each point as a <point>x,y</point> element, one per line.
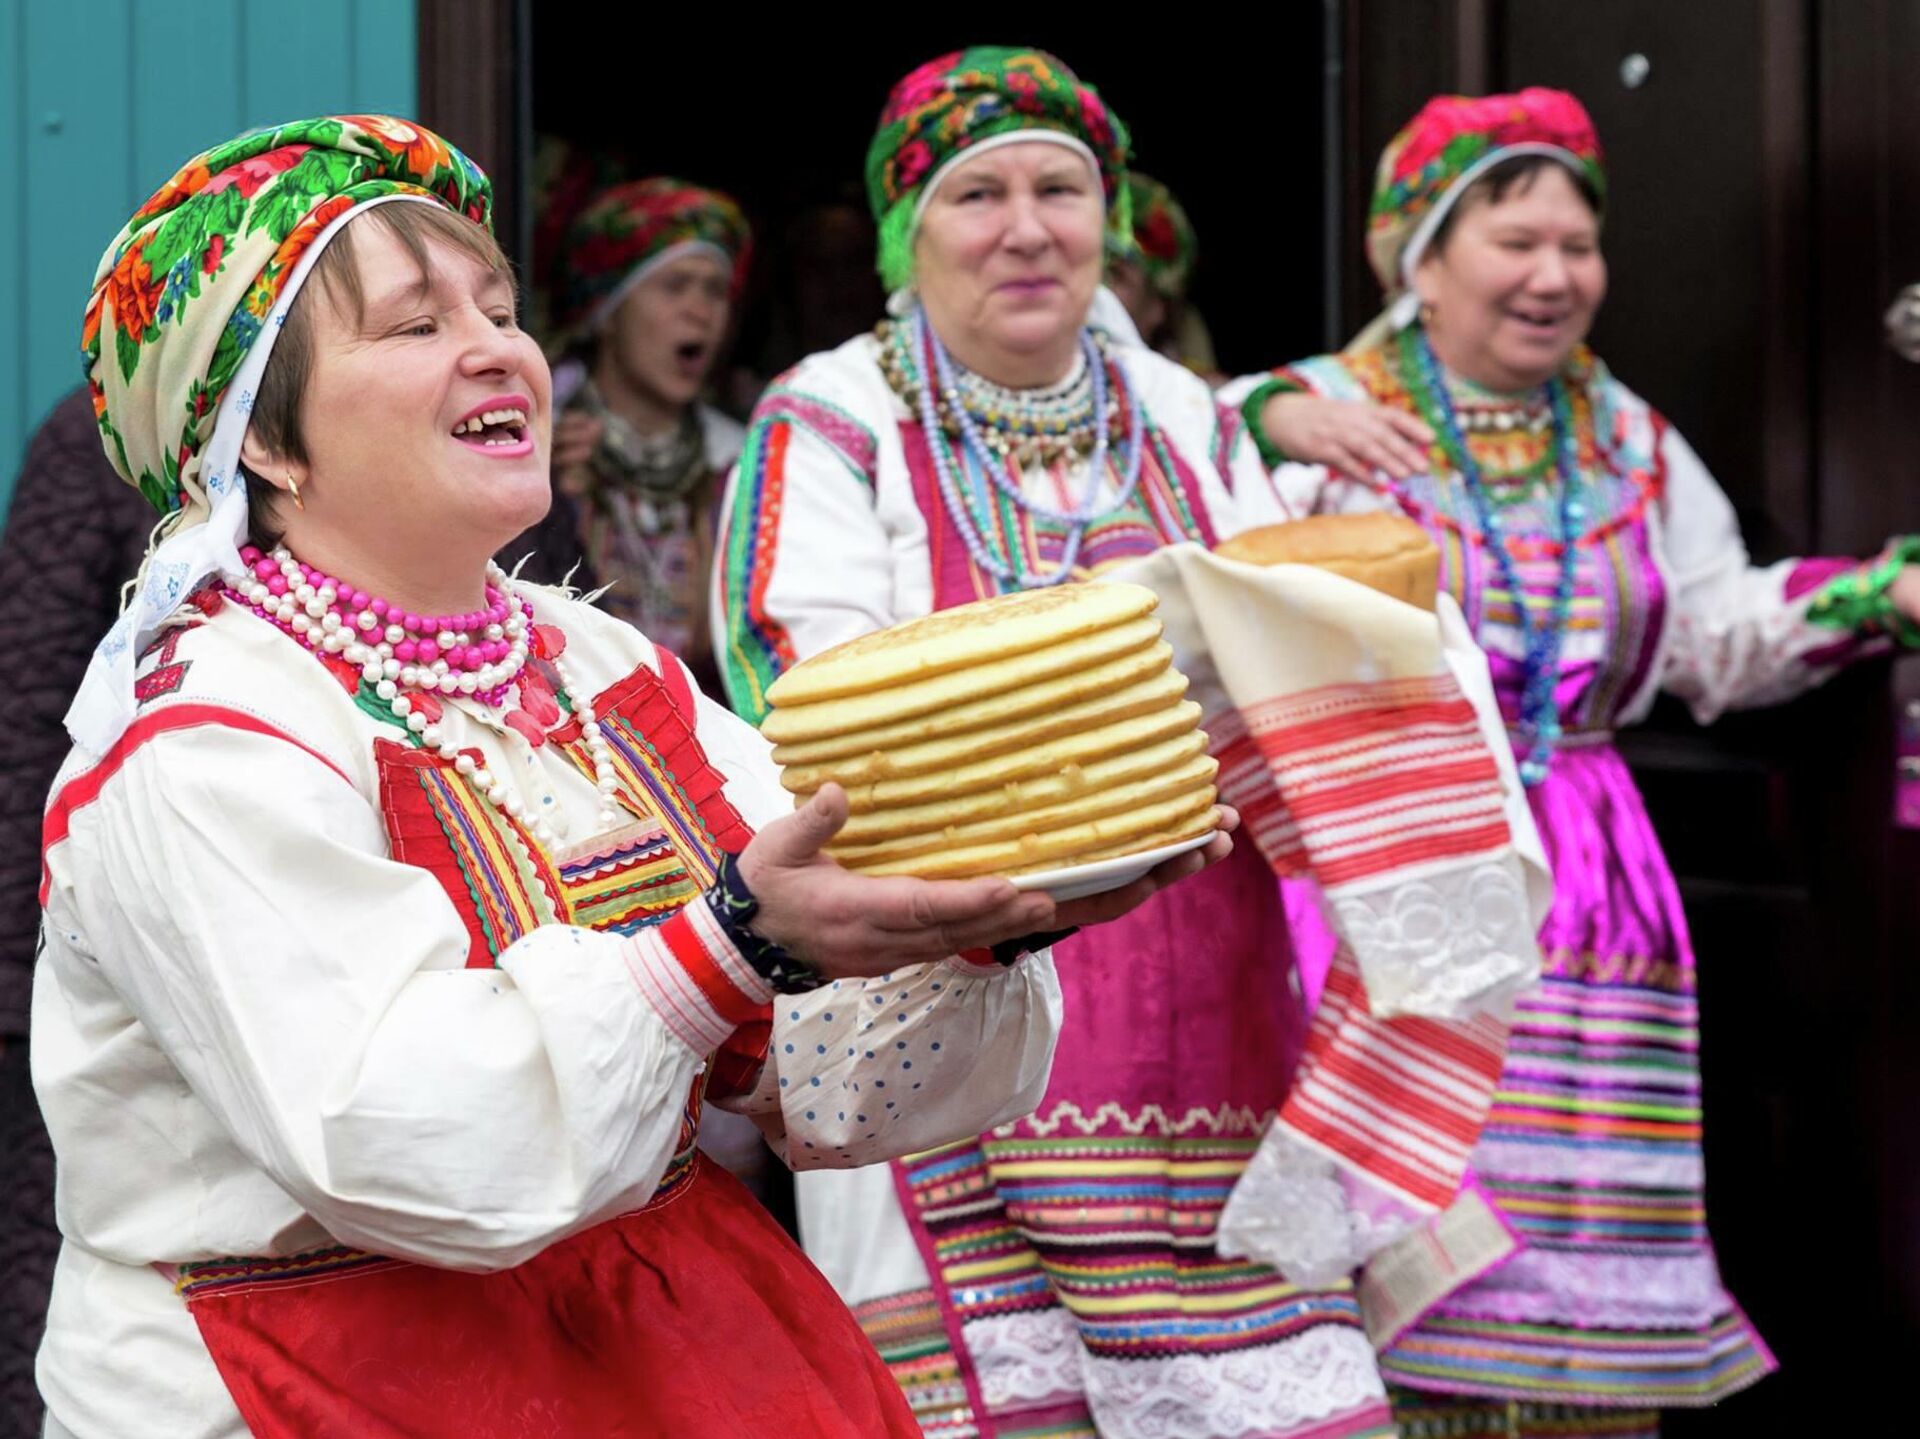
<point>950,104</point>
<point>1163,246</point>
<point>628,228</point>
<point>1438,154</point>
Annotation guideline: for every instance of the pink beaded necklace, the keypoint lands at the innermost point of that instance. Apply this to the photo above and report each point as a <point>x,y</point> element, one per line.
<point>478,655</point>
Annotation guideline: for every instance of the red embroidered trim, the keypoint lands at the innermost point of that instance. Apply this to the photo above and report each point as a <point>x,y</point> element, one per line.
<point>658,706</point>
<point>414,837</point>
<point>160,682</point>
<point>662,707</point>
<point>692,951</point>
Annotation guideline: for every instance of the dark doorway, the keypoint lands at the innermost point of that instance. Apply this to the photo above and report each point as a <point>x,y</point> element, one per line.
<point>782,122</point>
<point>1766,206</point>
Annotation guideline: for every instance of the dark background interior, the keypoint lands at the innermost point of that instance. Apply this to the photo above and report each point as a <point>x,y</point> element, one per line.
<point>1762,213</point>
<point>781,125</point>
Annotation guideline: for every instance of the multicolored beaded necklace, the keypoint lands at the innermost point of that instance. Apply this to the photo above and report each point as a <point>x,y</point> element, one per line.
<point>1047,425</point>
<point>652,478</point>
<point>407,660</point>
<point>1539,713</point>
<point>1003,472</point>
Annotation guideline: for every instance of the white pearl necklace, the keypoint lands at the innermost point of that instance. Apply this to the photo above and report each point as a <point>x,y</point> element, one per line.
<point>495,788</point>
<point>309,614</point>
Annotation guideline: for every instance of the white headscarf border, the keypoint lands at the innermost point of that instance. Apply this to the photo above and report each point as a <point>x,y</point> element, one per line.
<point>1106,312</point>
<point>603,312</point>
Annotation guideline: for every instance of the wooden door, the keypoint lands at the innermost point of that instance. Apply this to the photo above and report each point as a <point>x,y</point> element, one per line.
<point>1866,246</point>
<point>475,79</point>
<point>1764,206</point>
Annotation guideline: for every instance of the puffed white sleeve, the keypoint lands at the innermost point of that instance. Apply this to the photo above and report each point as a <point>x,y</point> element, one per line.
<point>803,560</point>
<point>860,1071</point>
<point>237,892</point>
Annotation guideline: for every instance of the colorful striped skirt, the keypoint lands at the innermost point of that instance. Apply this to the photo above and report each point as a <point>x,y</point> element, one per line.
<point>1592,1150</point>
<point>1077,1289</point>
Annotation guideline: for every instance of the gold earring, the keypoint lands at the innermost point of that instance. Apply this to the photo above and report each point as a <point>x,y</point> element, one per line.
<point>293,486</point>
<point>1426,314</point>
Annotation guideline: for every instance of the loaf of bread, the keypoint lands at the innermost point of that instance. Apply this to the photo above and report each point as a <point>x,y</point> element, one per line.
<point>1385,552</point>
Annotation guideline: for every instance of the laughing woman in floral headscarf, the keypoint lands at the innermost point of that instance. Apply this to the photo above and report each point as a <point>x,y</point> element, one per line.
<point>646,281</point>
<point>1474,406</point>
<point>399,917</point>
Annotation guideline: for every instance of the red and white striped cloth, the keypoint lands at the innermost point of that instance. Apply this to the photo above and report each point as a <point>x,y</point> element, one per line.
<point>1354,781</point>
<point>1402,1098</point>
<point>1359,738</point>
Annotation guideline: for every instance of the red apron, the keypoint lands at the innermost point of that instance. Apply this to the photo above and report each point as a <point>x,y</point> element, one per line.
<point>694,1316</point>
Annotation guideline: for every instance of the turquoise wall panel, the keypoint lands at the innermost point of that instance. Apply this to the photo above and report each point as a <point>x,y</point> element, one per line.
<point>299,59</point>
<point>107,97</point>
<point>13,268</point>
<point>79,177</point>
<point>386,53</point>
<point>186,82</point>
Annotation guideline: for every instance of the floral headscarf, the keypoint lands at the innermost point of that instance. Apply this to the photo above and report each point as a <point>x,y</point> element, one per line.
<point>186,304</point>
<point>1163,246</point>
<point>950,105</point>
<point>184,288</point>
<point>1446,147</point>
<point>627,230</point>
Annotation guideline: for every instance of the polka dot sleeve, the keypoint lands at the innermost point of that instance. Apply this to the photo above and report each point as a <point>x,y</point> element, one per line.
<point>861,1071</point>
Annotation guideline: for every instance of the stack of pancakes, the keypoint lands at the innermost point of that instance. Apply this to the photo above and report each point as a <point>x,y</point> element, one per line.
<point>1039,730</point>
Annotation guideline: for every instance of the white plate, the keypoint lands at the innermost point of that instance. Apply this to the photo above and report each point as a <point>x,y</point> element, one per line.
<point>1080,880</point>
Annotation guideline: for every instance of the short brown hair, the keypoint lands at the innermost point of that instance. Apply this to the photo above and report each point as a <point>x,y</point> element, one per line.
<point>276,409</point>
